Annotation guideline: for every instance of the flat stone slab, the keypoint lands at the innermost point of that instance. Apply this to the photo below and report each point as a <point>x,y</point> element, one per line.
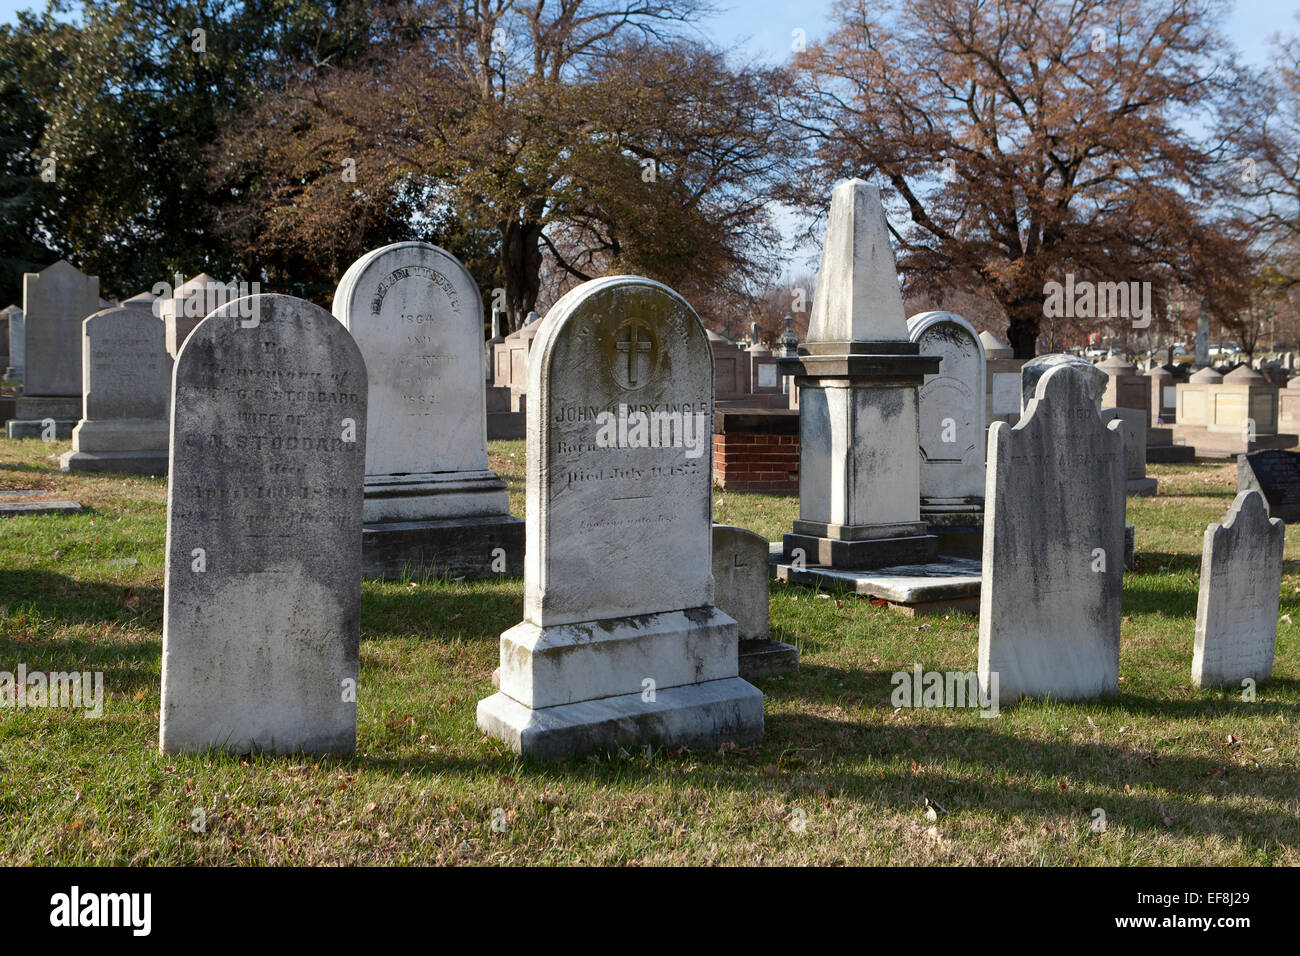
<point>947,584</point>
<point>119,462</point>
<point>35,502</point>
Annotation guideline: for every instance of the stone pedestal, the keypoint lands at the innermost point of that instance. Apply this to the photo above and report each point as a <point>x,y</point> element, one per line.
<point>123,446</point>
<point>31,412</point>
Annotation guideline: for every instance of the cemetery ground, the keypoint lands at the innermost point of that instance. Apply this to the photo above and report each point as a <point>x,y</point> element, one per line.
<point>1184,777</point>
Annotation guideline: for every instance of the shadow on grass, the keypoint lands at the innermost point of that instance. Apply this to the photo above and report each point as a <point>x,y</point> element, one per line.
<point>127,666</point>
<point>482,611</point>
<point>934,761</point>
<point>70,601</point>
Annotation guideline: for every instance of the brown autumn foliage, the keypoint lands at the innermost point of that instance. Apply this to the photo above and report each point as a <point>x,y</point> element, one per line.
<point>1020,140</point>
<point>567,140</point>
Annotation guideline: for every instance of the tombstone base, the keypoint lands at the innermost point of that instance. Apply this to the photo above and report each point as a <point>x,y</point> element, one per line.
<point>698,716</point>
<point>35,428</point>
<point>1141,487</point>
<point>851,547</point>
<point>118,462</point>
<point>1208,444</point>
<point>766,658</point>
<point>959,527</point>
<point>434,497</point>
<point>58,407</point>
<point>457,547</point>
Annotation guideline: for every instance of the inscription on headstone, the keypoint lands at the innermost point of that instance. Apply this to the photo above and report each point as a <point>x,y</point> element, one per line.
<point>262,610</point>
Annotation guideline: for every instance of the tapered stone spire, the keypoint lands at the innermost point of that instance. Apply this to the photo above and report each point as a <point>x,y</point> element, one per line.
<point>857,298</point>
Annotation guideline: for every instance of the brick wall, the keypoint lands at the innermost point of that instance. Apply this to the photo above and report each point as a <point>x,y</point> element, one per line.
<point>756,451</point>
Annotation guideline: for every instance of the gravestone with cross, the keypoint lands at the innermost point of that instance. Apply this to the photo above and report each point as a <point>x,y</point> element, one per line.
<point>621,643</point>
<point>432,503</point>
<point>740,581</point>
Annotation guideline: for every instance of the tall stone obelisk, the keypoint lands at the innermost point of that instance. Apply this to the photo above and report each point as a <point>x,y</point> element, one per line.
<point>859,472</point>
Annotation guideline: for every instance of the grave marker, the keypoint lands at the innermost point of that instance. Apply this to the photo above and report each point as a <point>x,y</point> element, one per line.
<point>262,612</point>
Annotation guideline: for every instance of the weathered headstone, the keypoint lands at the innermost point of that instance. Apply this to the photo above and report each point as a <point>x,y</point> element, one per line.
<point>951,432</point>
<point>1275,474</point>
<point>1236,611</point>
<point>1093,378</point>
<point>740,581</point>
<point>1133,423</point>
<point>188,304</point>
<point>432,504</point>
<point>55,303</point>
<point>261,623</point>
<point>128,376</point>
<point>13,317</point>
<point>859,482</point>
<point>1053,546</point>
<point>621,643</point>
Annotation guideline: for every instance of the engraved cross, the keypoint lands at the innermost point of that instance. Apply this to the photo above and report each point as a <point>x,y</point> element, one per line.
<point>632,344</point>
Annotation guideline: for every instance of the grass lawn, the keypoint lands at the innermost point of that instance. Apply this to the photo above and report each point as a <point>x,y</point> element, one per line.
<point>1183,776</point>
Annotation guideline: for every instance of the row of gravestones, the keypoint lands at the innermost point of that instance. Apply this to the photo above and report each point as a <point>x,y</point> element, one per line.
<point>621,641</point>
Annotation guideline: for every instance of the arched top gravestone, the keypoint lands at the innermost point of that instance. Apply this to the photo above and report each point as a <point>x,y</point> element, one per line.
<point>262,604</point>
<point>951,420</point>
<point>417,317</point>
<point>620,411</point>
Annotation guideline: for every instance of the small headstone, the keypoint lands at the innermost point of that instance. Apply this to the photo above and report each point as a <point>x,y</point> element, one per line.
<point>1274,473</point>
<point>1134,425</point>
<point>621,643</point>
<point>55,303</point>
<point>1093,379</point>
<point>128,376</point>
<point>432,504</point>
<point>740,581</point>
<point>1053,546</point>
<point>263,584</point>
<point>1236,611</point>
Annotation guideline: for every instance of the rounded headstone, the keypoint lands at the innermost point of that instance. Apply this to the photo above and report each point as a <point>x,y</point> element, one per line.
<point>1092,379</point>
<point>417,317</point>
<point>261,624</point>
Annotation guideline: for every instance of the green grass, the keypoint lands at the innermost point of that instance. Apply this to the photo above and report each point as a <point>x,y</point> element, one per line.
<point>1184,776</point>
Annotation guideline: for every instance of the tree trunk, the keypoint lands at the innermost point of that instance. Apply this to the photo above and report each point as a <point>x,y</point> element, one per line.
<point>521,268</point>
<point>1022,332</point>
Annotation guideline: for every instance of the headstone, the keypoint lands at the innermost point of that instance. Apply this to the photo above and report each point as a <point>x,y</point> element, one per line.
<point>261,624</point>
<point>1092,378</point>
<point>1126,387</point>
<point>1053,547</point>
<point>17,344</point>
<point>1275,474</point>
<point>128,376</point>
<point>740,581</point>
<point>432,504</point>
<point>1236,611</point>
<point>621,643</point>
<point>188,304</point>
<point>859,483</point>
<point>1164,396</point>
<point>994,347</point>
<point>55,303</point>
<point>4,333</point>
<point>1134,425</point>
<point>951,432</point>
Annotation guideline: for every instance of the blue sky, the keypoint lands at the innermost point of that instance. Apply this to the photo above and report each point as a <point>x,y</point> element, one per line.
<point>764,26</point>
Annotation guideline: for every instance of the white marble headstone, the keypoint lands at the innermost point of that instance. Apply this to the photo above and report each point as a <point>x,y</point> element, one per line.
<point>951,424</point>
